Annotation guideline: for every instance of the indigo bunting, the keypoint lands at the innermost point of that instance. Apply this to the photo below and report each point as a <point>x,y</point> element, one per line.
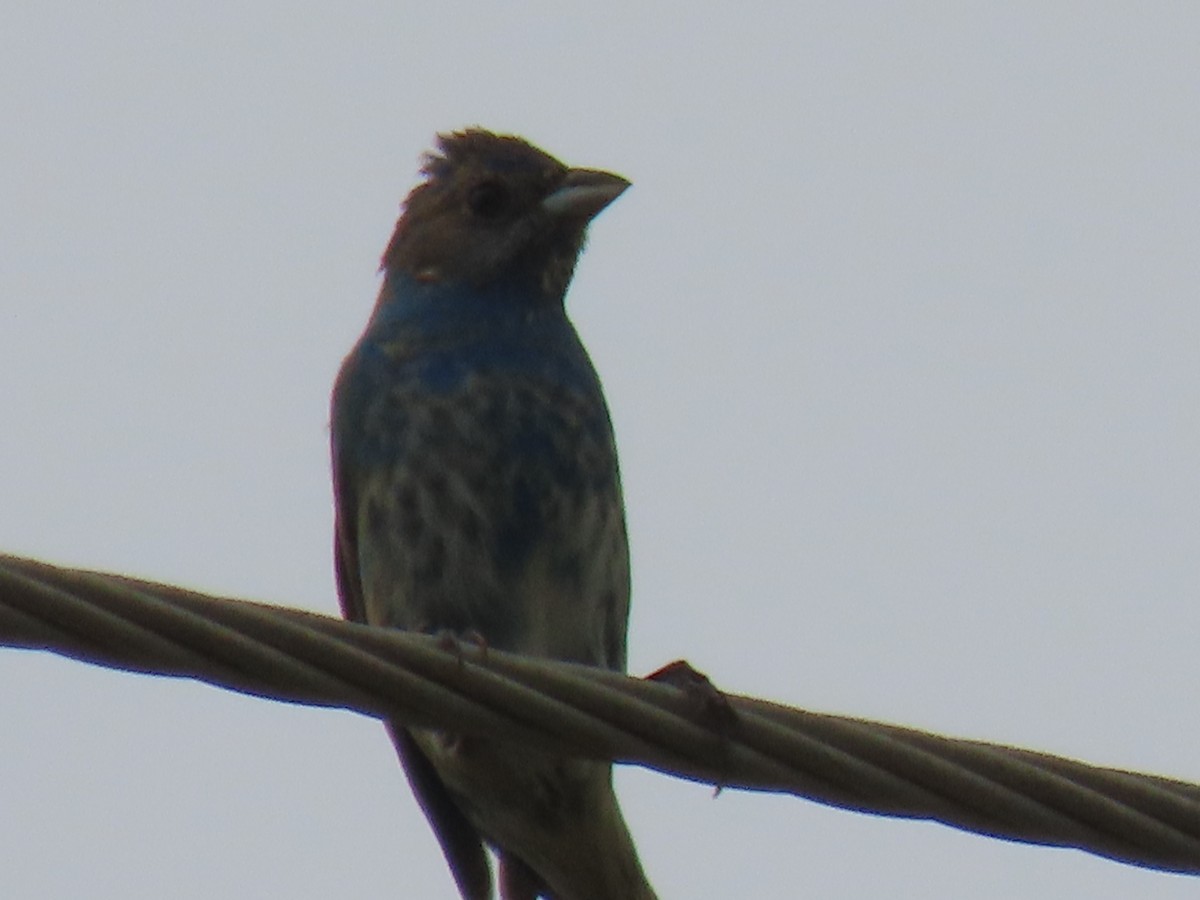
<point>478,495</point>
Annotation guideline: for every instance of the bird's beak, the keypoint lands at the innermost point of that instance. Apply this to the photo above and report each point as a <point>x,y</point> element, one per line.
<point>583,193</point>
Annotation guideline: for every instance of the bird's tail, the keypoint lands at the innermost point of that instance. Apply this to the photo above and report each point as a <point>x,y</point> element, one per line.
<point>589,856</point>
<point>554,820</point>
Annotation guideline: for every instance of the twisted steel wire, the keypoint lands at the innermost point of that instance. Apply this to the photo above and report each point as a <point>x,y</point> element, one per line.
<point>691,732</point>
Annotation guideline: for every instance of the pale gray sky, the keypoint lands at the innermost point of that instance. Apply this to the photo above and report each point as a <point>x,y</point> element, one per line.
<point>899,327</point>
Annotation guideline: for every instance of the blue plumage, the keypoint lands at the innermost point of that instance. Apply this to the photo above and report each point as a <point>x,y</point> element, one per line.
<point>478,493</point>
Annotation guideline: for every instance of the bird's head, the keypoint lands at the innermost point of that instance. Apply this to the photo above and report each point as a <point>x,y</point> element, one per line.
<point>494,208</point>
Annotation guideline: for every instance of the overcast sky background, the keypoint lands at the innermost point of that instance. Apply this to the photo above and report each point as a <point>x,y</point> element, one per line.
<point>898,325</point>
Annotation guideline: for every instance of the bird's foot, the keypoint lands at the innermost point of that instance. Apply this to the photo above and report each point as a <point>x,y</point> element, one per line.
<point>454,642</point>
<point>708,706</point>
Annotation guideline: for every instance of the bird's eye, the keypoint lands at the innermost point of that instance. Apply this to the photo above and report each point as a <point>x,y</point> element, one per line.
<point>488,199</point>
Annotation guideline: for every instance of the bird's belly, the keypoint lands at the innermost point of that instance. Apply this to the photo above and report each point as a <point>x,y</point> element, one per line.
<point>502,518</point>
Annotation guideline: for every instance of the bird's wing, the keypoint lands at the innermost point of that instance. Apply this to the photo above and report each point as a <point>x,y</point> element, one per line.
<point>461,843</point>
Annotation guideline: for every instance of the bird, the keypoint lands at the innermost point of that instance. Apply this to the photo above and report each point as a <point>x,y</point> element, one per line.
<point>478,495</point>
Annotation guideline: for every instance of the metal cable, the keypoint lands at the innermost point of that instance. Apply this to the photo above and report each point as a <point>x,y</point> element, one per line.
<point>725,740</point>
